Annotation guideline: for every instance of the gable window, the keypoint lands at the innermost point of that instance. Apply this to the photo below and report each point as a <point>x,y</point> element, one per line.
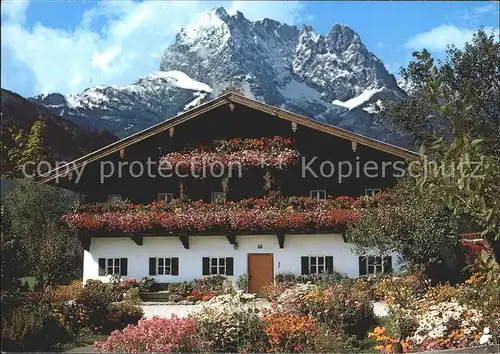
<point>317,193</point>
<point>165,197</point>
<point>374,265</point>
<point>114,198</point>
<point>112,266</point>
<point>316,264</point>
<point>218,197</point>
<point>218,266</point>
<point>163,266</point>
<point>372,192</point>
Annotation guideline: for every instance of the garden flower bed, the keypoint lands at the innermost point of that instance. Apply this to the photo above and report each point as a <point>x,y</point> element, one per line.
<point>271,214</point>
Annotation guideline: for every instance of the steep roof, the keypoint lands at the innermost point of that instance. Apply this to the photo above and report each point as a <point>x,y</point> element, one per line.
<point>227,98</point>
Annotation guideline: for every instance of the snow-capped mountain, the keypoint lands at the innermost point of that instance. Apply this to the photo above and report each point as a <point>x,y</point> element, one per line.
<point>332,78</point>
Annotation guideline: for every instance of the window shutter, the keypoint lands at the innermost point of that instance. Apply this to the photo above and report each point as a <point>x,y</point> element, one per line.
<point>362,265</point>
<point>175,266</point>
<point>152,266</point>
<point>123,266</point>
<point>329,264</point>
<point>304,265</point>
<point>102,266</point>
<point>388,264</point>
<point>229,266</point>
<point>206,266</point>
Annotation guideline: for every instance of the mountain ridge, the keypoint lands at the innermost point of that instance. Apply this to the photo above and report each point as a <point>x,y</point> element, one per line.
<point>331,78</point>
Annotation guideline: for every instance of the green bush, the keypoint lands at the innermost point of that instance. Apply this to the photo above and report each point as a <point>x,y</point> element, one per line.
<point>147,284</point>
<point>184,288</point>
<point>212,283</point>
<point>32,327</point>
<point>132,296</point>
<point>120,316</point>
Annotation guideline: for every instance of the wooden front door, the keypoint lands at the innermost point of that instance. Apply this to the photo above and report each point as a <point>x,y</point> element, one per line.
<point>260,271</point>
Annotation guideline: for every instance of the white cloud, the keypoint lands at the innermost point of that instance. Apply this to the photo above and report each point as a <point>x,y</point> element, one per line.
<point>440,37</point>
<point>283,11</point>
<point>14,10</point>
<point>127,45</point>
<point>102,60</point>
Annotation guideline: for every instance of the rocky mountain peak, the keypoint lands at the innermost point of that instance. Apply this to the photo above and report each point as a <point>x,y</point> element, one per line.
<point>332,77</point>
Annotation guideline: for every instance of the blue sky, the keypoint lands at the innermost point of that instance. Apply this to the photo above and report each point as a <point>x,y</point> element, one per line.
<point>66,46</point>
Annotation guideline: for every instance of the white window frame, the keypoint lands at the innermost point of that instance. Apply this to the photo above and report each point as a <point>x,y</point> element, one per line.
<point>317,193</point>
<point>115,198</point>
<point>219,264</point>
<point>376,263</point>
<point>166,267</point>
<point>115,266</point>
<point>317,264</point>
<point>166,197</point>
<point>371,192</point>
<point>218,196</point>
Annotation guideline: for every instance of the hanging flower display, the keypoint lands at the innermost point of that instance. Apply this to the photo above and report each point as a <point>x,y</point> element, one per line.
<point>295,214</point>
<point>276,152</point>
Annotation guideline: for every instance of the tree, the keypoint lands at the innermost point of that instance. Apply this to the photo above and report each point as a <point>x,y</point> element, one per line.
<point>473,71</point>
<point>11,262</point>
<point>454,114</point>
<point>17,148</point>
<point>50,250</point>
<point>421,229</point>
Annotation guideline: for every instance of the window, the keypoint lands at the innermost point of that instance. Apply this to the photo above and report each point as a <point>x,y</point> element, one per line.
<point>375,265</point>
<point>166,197</point>
<point>372,192</point>
<point>317,193</point>
<point>163,266</point>
<point>114,198</point>
<point>218,266</point>
<point>316,264</point>
<point>218,197</point>
<point>112,266</point>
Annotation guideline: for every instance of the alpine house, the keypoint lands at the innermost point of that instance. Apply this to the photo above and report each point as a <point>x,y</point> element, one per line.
<point>231,187</point>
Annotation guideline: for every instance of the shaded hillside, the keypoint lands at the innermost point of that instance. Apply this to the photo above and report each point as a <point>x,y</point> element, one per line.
<point>62,140</point>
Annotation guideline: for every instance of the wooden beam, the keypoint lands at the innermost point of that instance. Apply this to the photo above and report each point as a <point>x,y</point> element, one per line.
<point>232,239</point>
<point>84,240</point>
<point>281,239</point>
<point>138,239</point>
<point>185,241</point>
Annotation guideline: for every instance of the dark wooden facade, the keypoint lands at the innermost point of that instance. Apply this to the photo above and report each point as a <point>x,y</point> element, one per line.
<point>226,121</point>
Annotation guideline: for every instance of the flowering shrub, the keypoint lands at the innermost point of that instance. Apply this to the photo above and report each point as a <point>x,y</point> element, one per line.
<point>251,215</point>
<point>67,292</point>
<point>386,343</point>
<point>182,288</point>
<point>227,324</point>
<point>274,152</point>
<point>158,335</point>
<point>447,325</point>
<point>402,289</point>
<point>128,284</point>
<point>120,315</point>
<point>289,333</point>
<point>335,306</point>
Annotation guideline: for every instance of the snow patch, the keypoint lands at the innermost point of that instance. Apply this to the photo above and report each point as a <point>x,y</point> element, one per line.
<point>358,100</point>
<point>180,79</point>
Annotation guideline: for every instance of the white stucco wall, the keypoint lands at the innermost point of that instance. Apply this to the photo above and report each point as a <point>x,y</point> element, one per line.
<point>286,259</point>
